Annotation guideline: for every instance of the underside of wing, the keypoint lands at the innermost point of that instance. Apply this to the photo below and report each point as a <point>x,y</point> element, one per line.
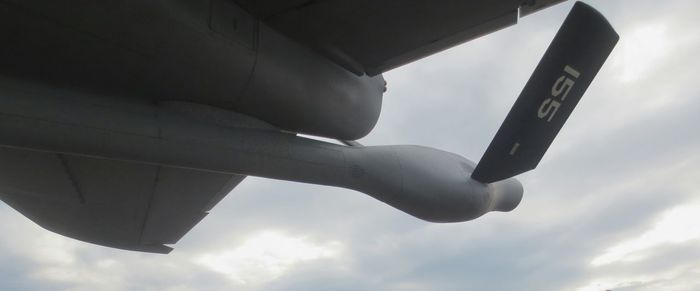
<point>112,203</point>
<point>374,36</point>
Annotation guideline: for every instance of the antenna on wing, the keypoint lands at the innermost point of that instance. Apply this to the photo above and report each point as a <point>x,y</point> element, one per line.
<point>568,67</point>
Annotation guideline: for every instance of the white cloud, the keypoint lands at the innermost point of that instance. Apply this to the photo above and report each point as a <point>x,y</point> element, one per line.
<point>642,49</point>
<point>266,256</point>
<point>677,225</point>
<point>608,192</point>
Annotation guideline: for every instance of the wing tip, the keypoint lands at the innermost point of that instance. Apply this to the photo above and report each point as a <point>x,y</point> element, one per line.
<point>600,19</point>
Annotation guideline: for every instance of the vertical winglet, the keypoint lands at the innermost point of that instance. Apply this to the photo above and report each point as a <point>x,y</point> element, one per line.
<point>568,67</point>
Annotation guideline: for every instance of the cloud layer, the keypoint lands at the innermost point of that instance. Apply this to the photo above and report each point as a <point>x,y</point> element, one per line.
<point>614,204</point>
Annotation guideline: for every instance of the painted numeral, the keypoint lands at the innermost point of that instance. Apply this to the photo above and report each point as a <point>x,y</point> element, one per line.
<point>560,90</point>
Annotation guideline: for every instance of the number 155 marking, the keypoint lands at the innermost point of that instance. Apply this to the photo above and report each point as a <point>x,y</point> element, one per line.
<point>560,89</point>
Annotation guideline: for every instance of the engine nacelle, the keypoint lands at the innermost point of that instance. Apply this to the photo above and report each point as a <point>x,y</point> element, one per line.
<point>295,89</point>
<point>427,183</point>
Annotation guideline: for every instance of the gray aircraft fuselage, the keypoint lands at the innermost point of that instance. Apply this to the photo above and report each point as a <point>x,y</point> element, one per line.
<point>186,50</point>
<point>200,89</point>
<point>182,56</point>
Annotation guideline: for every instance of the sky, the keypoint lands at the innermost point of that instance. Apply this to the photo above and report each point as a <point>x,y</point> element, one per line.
<point>614,204</point>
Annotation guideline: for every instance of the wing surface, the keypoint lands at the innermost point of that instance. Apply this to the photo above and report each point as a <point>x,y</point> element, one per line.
<point>374,36</point>
<point>107,202</point>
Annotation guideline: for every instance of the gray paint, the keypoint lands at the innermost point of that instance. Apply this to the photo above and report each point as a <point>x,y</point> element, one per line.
<point>430,184</point>
<point>563,75</point>
<point>369,36</point>
<point>167,50</point>
<point>119,204</point>
<point>192,88</point>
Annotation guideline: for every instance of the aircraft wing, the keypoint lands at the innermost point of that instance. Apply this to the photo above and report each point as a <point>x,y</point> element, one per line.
<point>113,203</point>
<point>374,36</point>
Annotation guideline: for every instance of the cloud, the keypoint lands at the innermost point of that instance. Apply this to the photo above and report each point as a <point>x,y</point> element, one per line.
<point>676,226</point>
<point>266,256</point>
<point>618,188</point>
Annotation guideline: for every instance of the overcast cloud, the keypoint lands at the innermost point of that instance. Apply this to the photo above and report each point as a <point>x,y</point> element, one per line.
<point>615,203</point>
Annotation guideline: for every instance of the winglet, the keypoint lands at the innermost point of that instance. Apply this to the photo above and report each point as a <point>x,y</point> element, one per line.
<point>568,67</point>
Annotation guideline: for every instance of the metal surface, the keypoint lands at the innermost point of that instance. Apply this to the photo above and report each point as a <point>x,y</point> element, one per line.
<point>568,67</point>
<point>122,123</point>
<point>181,50</point>
<point>370,36</point>
<point>141,169</point>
